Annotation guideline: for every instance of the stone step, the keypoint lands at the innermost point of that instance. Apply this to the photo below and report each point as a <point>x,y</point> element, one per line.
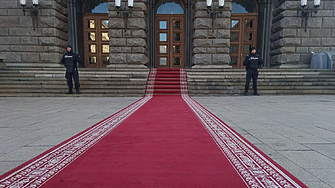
<point>265,92</point>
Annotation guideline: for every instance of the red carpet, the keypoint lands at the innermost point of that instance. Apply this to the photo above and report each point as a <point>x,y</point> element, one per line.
<point>160,141</point>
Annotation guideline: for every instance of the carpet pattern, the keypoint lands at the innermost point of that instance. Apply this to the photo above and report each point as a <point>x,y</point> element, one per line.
<point>164,139</point>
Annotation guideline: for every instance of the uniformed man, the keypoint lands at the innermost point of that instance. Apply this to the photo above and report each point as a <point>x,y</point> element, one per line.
<point>251,63</point>
<point>70,60</point>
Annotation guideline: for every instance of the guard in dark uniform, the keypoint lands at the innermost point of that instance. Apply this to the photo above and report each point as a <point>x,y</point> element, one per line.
<point>70,60</point>
<point>251,62</point>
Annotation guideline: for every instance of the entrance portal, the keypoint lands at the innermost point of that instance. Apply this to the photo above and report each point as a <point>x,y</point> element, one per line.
<point>96,40</point>
<point>243,33</point>
<point>170,35</point>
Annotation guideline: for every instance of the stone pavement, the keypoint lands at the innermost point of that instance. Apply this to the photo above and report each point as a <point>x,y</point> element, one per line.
<point>298,132</point>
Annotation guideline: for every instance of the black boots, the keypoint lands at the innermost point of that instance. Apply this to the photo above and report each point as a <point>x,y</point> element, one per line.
<point>255,93</point>
<point>71,92</point>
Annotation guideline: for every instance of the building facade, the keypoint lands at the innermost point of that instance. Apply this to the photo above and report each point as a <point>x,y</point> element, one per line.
<point>166,33</point>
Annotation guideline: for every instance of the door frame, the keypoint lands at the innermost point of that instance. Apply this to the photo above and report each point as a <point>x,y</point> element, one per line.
<point>170,30</point>
<point>99,42</point>
<point>242,42</point>
<point>188,32</point>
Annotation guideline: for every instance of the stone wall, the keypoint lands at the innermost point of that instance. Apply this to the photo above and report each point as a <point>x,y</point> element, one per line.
<point>211,42</point>
<point>291,46</point>
<point>128,45</point>
<point>20,43</point>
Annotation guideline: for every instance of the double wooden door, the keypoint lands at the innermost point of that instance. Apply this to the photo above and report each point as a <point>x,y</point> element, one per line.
<point>243,36</point>
<point>96,40</point>
<point>170,37</point>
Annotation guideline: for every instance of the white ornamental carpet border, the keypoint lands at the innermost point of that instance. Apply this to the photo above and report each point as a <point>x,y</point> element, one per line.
<point>38,172</point>
<point>253,167</point>
<point>151,82</point>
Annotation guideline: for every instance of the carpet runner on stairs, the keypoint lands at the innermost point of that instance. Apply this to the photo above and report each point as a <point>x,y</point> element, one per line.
<point>158,141</point>
<point>167,82</point>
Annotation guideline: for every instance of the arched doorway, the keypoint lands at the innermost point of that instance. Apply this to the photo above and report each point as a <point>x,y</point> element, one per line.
<point>243,33</point>
<point>95,32</point>
<point>170,34</point>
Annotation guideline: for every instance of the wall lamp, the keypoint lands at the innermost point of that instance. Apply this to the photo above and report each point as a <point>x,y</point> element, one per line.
<point>33,10</point>
<point>214,13</point>
<point>306,11</point>
<point>125,13</point>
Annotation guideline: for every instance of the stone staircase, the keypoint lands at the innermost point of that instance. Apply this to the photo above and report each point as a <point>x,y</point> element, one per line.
<point>167,82</point>
<point>39,80</point>
<point>49,81</point>
<point>203,82</point>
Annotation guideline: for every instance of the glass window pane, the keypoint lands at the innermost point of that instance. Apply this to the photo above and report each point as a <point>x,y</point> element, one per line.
<point>176,24</point>
<point>176,36</point>
<point>105,60</point>
<point>247,48</point>
<point>92,48</point>
<point>176,61</point>
<point>92,60</point>
<point>104,37</point>
<point>233,60</point>
<point>176,49</point>
<point>162,61</point>
<point>235,24</point>
<point>96,7</point>
<point>104,24</point>
<point>162,37</point>
<point>233,48</point>
<point>162,24</point>
<point>242,6</point>
<point>105,48</point>
<point>248,23</point>
<point>234,37</point>
<point>248,36</point>
<point>170,7</point>
<point>91,36</point>
<point>90,24</point>
<point>162,49</point>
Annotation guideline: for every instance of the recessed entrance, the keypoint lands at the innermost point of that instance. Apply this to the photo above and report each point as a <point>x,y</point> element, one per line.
<point>95,31</point>
<point>243,33</point>
<point>170,35</point>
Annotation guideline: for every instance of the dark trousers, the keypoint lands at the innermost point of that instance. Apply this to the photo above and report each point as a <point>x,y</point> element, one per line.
<point>251,74</point>
<point>75,76</point>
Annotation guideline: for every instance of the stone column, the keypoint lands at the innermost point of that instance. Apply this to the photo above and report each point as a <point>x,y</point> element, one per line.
<point>291,46</point>
<point>211,44</point>
<point>128,46</point>
<point>21,44</point>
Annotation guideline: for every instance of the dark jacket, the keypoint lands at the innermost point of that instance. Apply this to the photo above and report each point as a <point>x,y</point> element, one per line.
<point>252,61</point>
<point>70,60</point>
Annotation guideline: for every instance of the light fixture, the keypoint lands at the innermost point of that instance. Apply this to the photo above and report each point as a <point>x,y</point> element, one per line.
<point>126,12</point>
<point>32,9</point>
<point>214,13</point>
<point>306,11</point>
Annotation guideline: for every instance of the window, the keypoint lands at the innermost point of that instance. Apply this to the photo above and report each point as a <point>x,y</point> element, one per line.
<point>170,7</point>
<point>242,6</point>
<point>96,6</point>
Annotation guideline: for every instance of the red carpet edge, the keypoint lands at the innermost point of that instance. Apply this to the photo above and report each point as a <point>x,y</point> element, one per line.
<point>39,170</point>
<point>253,167</point>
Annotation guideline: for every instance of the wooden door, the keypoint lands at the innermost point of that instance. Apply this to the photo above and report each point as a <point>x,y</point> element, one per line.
<point>243,36</point>
<point>96,41</point>
<point>170,37</point>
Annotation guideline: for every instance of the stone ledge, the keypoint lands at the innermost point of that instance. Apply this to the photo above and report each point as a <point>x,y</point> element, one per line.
<point>211,67</point>
<point>31,65</point>
<point>127,66</point>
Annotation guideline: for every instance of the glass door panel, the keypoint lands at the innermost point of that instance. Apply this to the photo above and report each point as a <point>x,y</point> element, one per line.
<point>96,41</point>
<point>169,41</point>
<point>242,37</point>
